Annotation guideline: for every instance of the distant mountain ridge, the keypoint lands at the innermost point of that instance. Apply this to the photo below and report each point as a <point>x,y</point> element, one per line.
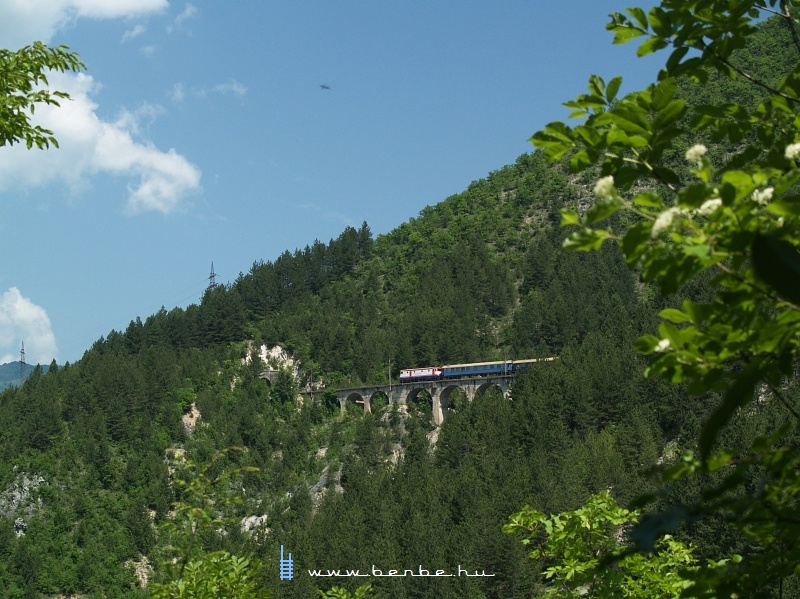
<point>9,374</point>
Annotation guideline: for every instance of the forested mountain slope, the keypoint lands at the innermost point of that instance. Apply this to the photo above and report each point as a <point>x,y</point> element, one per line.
<point>89,452</point>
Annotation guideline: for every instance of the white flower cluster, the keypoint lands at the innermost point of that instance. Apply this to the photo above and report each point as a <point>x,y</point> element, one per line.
<point>763,196</point>
<point>695,153</point>
<point>604,188</point>
<point>664,220</point>
<point>709,207</point>
<point>663,345</point>
<point>792,151</point>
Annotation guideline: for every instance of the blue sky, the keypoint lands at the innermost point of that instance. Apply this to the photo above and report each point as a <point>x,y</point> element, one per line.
<point>200,132</point>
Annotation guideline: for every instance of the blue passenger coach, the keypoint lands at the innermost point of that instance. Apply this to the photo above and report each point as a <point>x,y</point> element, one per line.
<point>478,369</point>
<point>505,367</point>
<point>457,371</point>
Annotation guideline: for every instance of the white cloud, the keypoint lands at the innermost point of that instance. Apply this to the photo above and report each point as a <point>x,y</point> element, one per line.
<point>22,321</point>
<point>178,93</point>
<point>133,33</point>
<point>231,87</point>
<point>188,12</point>
<point>132,120</point>
<point>23,21</point>
<point>88,146</point>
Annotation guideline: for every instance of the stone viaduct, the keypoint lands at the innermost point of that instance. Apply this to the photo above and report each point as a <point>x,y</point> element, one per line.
<point>439,391</point>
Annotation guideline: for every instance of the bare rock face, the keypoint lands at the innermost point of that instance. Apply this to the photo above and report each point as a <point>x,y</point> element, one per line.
<point>273,357</point>
<point>190,419</point>
<point>142,570</point>
<point>20,527</point>
<point>255,526</point>
<point>18,499</point>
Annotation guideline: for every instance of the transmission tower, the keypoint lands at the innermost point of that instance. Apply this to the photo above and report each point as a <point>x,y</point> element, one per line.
<point>212,278</point>
<point>22,363</point>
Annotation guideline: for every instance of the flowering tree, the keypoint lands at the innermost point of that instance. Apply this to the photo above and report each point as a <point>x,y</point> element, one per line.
<point>736,215</point>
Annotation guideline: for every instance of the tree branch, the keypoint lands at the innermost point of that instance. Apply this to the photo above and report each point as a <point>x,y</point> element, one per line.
<point>750,78</point>
<point>782,399</point>
<point>768,9</point>
<point>790,22</point>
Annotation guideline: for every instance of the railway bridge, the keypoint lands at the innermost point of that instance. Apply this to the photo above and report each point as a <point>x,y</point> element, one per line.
<point>439,391</point>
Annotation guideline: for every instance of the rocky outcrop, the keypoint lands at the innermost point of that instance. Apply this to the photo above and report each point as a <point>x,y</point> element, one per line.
<point>19,499</point>
<point>190,419</point>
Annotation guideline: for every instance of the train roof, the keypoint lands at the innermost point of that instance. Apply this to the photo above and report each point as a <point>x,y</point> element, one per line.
<point>478,364</point>
<point>534,360</point>
<point>528,361</point>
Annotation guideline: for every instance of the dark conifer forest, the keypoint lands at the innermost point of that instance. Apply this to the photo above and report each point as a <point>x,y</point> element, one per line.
<point>91,452</point>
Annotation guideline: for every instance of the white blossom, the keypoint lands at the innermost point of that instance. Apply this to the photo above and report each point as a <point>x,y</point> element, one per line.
<point>709,207</point>
<point>663,345</point>
<point>664,221</point>
<point>604,188</point>
<point>792,151</point>
<point>763,197</point>
<point>696,153</point>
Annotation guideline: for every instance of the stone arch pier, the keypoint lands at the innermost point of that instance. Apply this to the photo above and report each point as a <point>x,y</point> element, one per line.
<point>439,391</point>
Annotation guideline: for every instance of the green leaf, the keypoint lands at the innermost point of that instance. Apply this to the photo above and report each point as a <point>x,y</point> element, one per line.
<point>646,344</point>
<point>667,175</point>
<point>671,112</point>
<point>777,263</point>
<point>651,45</point>
<point>663,93</point>
<point>674,315</point>
<point>631,120</point>
<point>741,181</point>
<point>569,217</point>
<point>586,239</point>
<point>655,526</point>
<point>634,243</point>
<point>618,137</point>
<point>579,161</point>
<point>601,211</point>
<point>639,15</point>
<point>738,395</point>
<point>613,88</point>
<point>649,199</point>
<point>597,86</point>
<point>786,206</point>
<point>624,34</point>
<point>675,58</point>
<point>660,22</point>
<point>693,196</point>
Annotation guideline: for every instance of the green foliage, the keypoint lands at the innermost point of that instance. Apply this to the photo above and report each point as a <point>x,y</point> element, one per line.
<point>211,576</point>
<point>362,592</point>
<point>23,81</point>
<point>733,212</point>
<point>588,556</point>
<point>194,572</point>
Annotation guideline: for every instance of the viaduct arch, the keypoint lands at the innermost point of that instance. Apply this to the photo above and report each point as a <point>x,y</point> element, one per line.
<point>439,391</point>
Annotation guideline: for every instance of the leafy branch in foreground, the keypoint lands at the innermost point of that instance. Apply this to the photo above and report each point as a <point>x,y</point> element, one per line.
<point>362,592</point>
<point>736,215</point>
<point>23,85</point>
<point>585,554</point>
<point>193,573</point>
